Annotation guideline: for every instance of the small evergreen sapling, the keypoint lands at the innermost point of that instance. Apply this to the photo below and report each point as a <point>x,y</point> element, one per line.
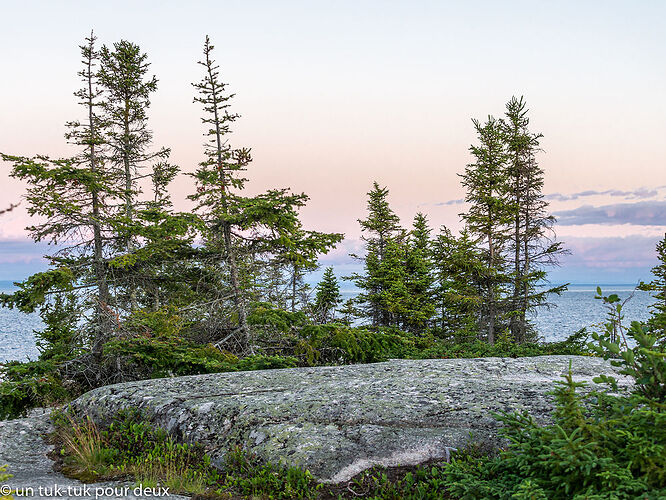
<point>327,298</point>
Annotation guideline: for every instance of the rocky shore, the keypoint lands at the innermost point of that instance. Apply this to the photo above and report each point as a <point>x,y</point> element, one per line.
<point>334,421</point>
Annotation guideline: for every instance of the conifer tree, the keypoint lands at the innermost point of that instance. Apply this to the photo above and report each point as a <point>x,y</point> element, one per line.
<point>73,197</point>
<point>382,229</point>
<point>219,173</point>
<point>489,215</point>
<point>127,88</point>
<point>657,322</point>
<point>327,298</point>
<point>419,276</point>
<point>459,271</point>
<point>299,254</point>
<point>349,312</point>
<point>91,137</point>
<point>531,243</point>
<point>265,226</point>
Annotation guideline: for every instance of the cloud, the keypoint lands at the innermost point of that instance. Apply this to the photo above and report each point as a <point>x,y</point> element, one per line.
<point>612,252</point>
<point>609,259</point>
<point>636,194</point>
<point>459,201</point>
<point>24,251</point>
<point>640,193</point>
<point>643,213</point>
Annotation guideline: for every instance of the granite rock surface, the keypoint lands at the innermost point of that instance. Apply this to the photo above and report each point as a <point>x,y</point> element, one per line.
<point>337,421</point>
<point>25,451</point>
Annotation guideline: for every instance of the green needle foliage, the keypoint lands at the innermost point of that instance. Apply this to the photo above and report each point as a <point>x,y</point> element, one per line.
<point>238,228</point>
<point>657,323</point>
<point>486,181</point>
<point>327,297</point>
<point>599,445</point>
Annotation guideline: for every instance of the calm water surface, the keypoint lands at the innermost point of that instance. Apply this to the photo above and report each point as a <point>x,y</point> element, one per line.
<point>573,310</point>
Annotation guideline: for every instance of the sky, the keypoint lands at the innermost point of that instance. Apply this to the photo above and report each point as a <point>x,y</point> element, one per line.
<point>335,95</point>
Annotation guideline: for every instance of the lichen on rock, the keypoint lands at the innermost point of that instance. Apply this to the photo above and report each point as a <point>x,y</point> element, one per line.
<point>337,421</point>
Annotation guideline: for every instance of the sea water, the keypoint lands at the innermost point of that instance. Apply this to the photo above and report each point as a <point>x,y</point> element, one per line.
<point>573,310</point>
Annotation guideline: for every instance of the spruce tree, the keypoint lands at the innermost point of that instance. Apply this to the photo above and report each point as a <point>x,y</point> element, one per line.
<point>263,229</point>
<point>91,137</point>
<point>532,245</point>
<point>460,275</point>
<point>381,231</point>
<point>489,215</point>
<point>127,89</point>
<point>73,198</point>
<point>219,173</point>
<point>327,298</point>
<point>419,276</point>
<point>657,322</point>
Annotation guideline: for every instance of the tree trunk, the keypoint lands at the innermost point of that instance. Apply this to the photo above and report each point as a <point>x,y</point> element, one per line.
<point>228,243</point>
<point>104,326</point>
<point>491,290</point>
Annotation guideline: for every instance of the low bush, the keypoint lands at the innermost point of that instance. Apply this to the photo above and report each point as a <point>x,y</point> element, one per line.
<point>130,447</point>
<point>599,445</point>
<point>139,358</point>
<point>29,385</point>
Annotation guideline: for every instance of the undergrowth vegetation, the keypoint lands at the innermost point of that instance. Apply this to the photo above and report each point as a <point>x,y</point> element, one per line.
<point>130,448</point>
<point>603,443</point>
<point>159,344</point>
<point>4,477</point>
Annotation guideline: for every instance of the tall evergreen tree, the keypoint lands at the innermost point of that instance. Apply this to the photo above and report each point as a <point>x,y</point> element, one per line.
<point>381,229</point>
<point>127,88</point>
<point>266,227</point>
<point>460,275</point>
<point>219,173</point>
<point>90,136</point>
<point>73,197</point>
<point>532,244</point>
<point>489,214</point>
<point>419,276</point>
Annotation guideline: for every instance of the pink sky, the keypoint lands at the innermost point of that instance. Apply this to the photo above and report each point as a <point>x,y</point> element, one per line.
<point>334,96</point>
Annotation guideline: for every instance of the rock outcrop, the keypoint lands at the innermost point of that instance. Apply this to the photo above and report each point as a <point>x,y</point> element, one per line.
<point>25,451</point>
<point>338,421</point>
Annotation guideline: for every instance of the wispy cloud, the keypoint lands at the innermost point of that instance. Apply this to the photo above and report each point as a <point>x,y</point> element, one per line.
<point>642,213</point>
<point>612,252</point>
<point>640,193</point>
<point>15,250</point>
<point>459,201</point>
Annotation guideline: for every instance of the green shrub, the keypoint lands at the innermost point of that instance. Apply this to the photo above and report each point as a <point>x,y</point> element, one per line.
<point>147,357</point>
<point>574,345</point>
<point>131,447</point>
<point>614,449</point>
<point>251,478</point>
<point>600,445</point>
<point>342,344</point>
<point>29,385</point>
<point>637,353</point>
